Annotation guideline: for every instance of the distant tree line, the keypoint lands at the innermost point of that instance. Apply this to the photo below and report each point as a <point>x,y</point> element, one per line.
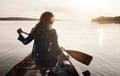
<point>107,19</point>
<point>17,18</point>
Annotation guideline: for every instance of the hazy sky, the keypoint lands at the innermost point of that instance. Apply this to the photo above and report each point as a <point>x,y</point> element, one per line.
<point>63,9</point>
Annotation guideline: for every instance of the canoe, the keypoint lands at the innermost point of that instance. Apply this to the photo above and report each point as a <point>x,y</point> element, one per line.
<point>27,67</point>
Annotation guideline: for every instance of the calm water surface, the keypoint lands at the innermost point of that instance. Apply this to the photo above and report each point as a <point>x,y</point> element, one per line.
<point>102,41</point>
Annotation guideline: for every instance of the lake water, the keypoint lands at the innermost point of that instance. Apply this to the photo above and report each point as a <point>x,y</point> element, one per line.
<point>102,41</point>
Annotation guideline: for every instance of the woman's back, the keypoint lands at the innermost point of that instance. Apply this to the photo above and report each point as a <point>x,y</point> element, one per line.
<point>46,48</point>
<point>43,41</point>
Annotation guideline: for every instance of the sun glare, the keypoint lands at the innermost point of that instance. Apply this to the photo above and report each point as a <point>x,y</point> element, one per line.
<point>89,4</point>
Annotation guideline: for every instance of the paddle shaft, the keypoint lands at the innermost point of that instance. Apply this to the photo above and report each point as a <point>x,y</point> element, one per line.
<point>25,33</point>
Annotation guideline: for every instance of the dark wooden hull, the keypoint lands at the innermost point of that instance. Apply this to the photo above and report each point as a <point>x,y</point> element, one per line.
<point>27,67</point>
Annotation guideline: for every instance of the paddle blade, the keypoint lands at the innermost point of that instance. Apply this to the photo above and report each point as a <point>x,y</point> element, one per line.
<point>80,56</point>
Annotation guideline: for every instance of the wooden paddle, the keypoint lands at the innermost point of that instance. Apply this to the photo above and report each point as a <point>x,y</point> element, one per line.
<point>77,55</point>
<point>80,56</point>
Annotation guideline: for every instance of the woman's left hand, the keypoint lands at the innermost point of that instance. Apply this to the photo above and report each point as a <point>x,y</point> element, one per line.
<point>19,31</point>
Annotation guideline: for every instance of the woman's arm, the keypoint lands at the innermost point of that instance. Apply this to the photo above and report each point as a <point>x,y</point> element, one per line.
<point>22,38</point>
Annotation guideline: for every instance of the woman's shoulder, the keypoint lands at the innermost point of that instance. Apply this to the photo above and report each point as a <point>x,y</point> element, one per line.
<point>52,31</point>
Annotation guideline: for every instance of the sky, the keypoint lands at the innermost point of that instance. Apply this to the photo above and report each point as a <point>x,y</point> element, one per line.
<point>62,9</point>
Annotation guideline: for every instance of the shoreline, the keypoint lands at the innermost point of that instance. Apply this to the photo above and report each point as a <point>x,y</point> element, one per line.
<point>103,19</point>
<point>17,19</point>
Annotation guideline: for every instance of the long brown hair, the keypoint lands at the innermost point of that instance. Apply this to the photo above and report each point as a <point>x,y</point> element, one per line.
<point>44,21</point>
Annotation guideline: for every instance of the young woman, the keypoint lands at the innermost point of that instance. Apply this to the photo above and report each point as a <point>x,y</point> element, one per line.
<point>45,47</point>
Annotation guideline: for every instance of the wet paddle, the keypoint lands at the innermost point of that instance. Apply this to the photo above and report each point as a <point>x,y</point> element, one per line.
<point>77,55</point>
<point>80,56</point>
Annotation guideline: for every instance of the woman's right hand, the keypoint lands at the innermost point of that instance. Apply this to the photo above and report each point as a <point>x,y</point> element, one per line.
<point>19,31</point>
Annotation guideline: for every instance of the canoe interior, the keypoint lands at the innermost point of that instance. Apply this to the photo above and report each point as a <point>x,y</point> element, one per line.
<point>27,67</point>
